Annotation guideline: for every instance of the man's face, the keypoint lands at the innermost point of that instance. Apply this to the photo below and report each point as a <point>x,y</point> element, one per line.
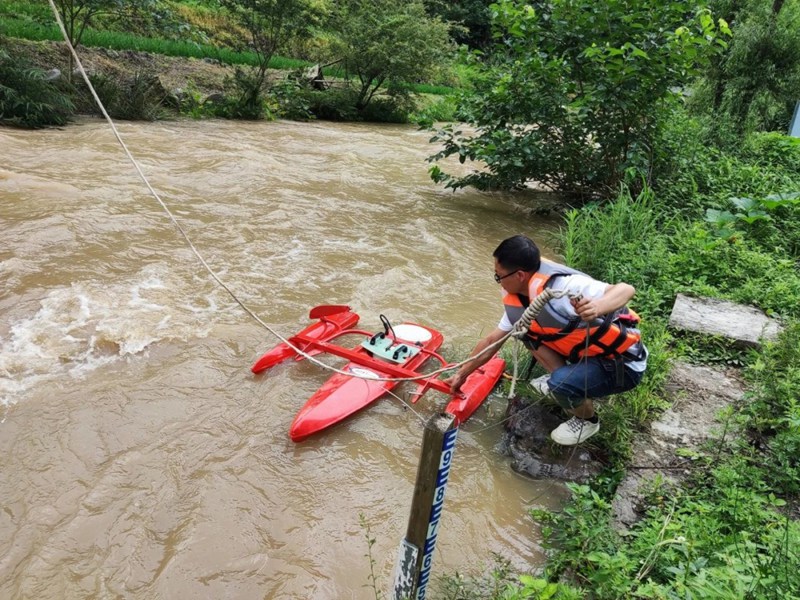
<point>512,281</point>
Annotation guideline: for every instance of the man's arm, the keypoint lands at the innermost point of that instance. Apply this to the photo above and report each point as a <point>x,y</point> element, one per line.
<point>468,367</point>
<point>614,297</point>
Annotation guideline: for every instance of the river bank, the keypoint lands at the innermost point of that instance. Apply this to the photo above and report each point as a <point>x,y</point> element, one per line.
<point>175,73</point>
<point>135,85</point>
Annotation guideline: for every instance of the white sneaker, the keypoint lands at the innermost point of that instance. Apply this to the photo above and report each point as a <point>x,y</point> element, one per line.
<point>574,431</point>
<point>540,384</point>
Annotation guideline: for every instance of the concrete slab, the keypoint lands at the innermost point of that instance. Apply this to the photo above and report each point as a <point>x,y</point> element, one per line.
<point>746,325</point>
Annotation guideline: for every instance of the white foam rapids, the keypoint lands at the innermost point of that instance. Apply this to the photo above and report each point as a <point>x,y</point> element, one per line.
<point>79,328</point>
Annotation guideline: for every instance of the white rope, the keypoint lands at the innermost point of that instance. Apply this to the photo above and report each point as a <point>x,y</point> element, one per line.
<point>521,327</point>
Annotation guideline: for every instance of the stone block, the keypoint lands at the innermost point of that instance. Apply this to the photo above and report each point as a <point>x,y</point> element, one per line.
<point>746,325</point>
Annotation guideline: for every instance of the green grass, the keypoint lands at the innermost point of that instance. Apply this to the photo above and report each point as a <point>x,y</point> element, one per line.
<point>39,11</point>
<point>93,38</point>
<point>436,90</point>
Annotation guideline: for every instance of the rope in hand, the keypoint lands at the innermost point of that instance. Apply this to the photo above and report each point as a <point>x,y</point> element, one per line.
<point>521,327</point>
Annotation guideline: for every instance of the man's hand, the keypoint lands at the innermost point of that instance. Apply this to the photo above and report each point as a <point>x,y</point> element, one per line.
<point>455,381</point>
<point>586,308</point>
<point>614,297</point>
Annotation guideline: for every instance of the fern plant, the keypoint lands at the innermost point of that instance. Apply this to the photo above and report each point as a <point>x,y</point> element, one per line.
<point>28,98</point>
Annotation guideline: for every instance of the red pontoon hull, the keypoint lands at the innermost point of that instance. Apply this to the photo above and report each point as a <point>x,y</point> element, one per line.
<point>476,389</point>
<point>342,396</point>
<point>327,328</point>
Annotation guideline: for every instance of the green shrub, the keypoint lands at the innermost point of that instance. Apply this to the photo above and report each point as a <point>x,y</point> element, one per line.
<point>27,98</point>
<point>442,109</point>
<point>755,83</point>
<point>773,415</point>
<point>393,108</point>
<point>291,102</point>
<point>736,269</point>
<point>571,103</point>
<point>691,172</point>
<point>243,99</point>
<point>772,222</point>
<point>624,240</point>
<point>773,150</point>
<point>335,104</point>
<point>189,102</point>
<point>721,538</point>
<point>139,97</point>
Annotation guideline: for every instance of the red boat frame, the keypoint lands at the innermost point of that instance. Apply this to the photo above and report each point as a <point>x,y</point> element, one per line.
<point>335,400</point>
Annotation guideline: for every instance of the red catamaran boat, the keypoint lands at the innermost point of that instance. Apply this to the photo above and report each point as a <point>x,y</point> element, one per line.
<point>399,351</point>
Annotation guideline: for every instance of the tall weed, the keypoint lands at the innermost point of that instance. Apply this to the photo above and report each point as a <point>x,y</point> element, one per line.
<point>736,269</point>
<point>720,538</point>
<point>139,97</point>
<point>624,240</point>
<point>693,171</point>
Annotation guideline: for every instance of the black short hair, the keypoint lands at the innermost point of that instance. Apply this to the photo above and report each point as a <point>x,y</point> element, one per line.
<point>518,252</point>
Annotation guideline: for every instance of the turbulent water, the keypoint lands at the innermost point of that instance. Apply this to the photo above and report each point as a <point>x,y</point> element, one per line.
<point>140,457</point>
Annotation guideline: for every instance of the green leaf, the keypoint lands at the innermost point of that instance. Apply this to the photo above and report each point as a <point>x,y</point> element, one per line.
<point>745,204</point>
<point>719,217</point>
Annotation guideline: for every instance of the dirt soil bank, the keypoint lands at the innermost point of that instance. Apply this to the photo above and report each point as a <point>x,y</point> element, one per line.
<point>175,73</point>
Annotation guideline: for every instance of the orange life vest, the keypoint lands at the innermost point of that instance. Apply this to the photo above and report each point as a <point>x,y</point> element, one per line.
<point>611,335</point>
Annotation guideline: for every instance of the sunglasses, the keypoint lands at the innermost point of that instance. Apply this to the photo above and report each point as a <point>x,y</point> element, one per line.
<point>498,278</point>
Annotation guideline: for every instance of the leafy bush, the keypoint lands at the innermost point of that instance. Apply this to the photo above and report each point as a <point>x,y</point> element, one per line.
<point>722,538</point>
<point>773,150</point>
<point>773,415</point>
<point>139,97</point>
<point>291,102</point>
<point>27,98</point>
<point>571,103</point>
<point>244,97</point>
<point>691,174</point>
<point>335,104</point>
<point>384,42</point>
<point>189,102</point>
<point>442,109</point>
<point>388,109</point>
<point>340,104</point>
<point>772,222</point>
<point>755,83</point>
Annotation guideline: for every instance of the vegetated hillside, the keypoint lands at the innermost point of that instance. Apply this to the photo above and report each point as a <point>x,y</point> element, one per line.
<point>174,72</point>
<point>202,29</point>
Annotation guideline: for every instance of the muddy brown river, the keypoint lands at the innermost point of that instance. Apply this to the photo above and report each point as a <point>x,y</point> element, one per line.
<point>139,456</point>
